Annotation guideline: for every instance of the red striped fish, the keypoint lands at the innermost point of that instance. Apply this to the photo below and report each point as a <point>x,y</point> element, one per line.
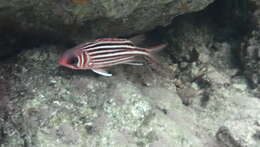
<point>106,52</point>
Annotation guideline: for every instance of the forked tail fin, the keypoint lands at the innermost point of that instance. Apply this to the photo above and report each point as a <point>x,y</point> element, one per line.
<point>154,50</point>
<point>158,66</point>
<point>157,48</point>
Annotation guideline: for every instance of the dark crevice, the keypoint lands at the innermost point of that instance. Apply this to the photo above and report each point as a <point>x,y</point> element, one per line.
<point>14,39</point>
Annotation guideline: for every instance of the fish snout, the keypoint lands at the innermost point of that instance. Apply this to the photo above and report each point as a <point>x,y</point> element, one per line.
<point>62,62</point>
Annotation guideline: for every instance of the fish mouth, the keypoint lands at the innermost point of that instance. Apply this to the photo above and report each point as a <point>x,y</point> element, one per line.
<point>68,66</point>
<point>64,63</point>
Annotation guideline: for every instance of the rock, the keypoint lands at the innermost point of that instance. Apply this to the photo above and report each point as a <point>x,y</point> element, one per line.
<point>55,21</point>
<point>250,52</point>
<point>70,108</point>
<point>77,108</point>
<point>235,128</point>
<point>239,134</point>
<point>249,56</point>
<point>99,17</point>
<point>223,136</point>
<point>55,106</point>
<point>3,99</point>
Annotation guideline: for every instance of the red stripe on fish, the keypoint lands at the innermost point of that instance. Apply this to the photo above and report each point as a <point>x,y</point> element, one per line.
<point>111,51</point>
<point>112,39</point>
<point>110,59</point>
<point>100,52</point>
<point>107,42</point>
<point>113,62</point>
<point>94,47</point>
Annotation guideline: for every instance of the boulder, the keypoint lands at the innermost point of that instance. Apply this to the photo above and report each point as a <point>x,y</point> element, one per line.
<point>96,17</point>
<point>250,51</point>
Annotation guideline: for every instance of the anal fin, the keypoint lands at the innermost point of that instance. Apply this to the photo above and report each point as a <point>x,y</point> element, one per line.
<point>135,63</point>
<point>102,72</point>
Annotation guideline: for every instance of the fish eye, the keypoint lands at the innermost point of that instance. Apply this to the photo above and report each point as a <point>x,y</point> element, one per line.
<point>73,60</point>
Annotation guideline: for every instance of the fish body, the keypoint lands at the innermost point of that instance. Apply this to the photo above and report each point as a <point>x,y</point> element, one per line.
<point>105,52</point>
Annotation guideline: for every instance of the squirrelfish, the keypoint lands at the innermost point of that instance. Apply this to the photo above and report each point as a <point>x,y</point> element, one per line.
<point>106,52</point>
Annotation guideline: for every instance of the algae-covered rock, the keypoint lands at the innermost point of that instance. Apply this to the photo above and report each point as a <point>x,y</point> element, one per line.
<point>53,106</point>
<point>250,55</point>
<point>48,105</point>
<point>28,23</point>
<point>250,52</point>
<point>96,17</point>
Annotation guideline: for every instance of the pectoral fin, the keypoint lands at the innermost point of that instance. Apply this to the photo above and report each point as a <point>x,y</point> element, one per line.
<point>102,72</point>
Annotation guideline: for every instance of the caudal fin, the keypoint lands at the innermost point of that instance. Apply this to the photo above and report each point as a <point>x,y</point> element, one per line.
<point>152,52</point>
<point>158,65</point>
<point>157,48</point>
